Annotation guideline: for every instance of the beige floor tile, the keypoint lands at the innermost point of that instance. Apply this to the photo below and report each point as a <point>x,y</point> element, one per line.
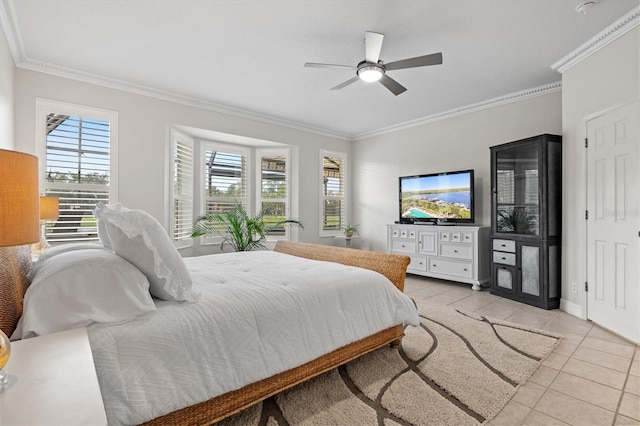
<point>625,421</point>
<point>556,361</point>
<point>637,356</point>
<point>528,318</point>
<point>536,418</point>
<point>513,413</point>
<point>544,376</point>
<point>603,359</point>
<point>497,310</point>
<point>626,350</point>
<point>595,373</point>
<point>442,299</point>
<point>630,406</point>
<point>529,394</point>
<point>561,325</point>
<point>598,332</point>
<point>635,369</point>
<point>425,293</point>
<point>573,411</point>
<point>565,348</point>
<point>633,385</point>
<point>587,391</point>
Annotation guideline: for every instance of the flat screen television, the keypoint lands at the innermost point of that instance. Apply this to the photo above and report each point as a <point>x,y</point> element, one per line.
<point>438,197</point>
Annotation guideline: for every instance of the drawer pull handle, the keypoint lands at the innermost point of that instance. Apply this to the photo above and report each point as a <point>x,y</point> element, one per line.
<point>455,251</point>
<point>504,245</point>
<point>465,269</point>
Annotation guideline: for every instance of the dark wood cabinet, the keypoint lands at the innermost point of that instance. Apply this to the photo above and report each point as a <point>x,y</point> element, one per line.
<point>526,219</point>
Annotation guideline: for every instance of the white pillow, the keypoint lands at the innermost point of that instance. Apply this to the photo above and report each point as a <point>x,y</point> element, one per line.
<point>138,237</point>
<point>53,251</point>
<point>80,287</point>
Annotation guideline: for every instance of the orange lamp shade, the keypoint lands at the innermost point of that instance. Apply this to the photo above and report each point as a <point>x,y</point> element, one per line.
<point>49,207</point>
<point>19,199</point>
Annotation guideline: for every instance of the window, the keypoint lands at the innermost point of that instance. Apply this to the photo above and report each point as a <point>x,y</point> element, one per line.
<point>76,148</point>
<point>224,176</point>
<point>274,190</point>
<point>182,188</point>
<point>333,178</point>
<point>209,177</point>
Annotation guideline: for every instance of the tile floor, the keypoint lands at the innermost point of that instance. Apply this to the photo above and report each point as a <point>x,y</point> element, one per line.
<point>591,378</point>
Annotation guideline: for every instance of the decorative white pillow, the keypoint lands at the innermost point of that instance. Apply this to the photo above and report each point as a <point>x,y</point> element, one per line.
<point>81,287</point>
<point>138,237</point>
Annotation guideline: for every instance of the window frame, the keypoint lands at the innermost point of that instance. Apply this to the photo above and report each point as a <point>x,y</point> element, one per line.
<point>47,106</point>
<point>201,174</point>
<point>345,193</point>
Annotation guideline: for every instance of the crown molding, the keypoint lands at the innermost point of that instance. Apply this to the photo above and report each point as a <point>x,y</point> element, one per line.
<point>600,40</point>
<point>47,68</point>
<point>467,109</point>
<point>8,22</point>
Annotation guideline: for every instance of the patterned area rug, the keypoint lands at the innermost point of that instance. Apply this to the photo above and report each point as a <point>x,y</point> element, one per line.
<point>456,369</point>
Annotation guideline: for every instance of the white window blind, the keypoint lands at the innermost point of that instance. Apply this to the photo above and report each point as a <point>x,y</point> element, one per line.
<point>225,178</point>
<point>182,189</point>
<point>333,192</point>
<point>273,196</point>
<point>78,170</point>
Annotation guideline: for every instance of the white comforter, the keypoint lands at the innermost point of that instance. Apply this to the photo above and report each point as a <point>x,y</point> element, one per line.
<point>260,313</point>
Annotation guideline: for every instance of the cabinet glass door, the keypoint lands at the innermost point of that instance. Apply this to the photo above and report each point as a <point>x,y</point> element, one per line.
<point>517,190</point>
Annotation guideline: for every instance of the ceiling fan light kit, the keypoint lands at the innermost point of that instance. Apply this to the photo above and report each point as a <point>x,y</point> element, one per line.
<point>372,69</point>
<point>370,72</point>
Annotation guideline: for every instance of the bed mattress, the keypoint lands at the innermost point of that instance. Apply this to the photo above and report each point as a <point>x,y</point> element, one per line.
<point>260,313</point>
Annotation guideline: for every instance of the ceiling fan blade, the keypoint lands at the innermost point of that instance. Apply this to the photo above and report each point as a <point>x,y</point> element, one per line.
<point>316,65</point>
<point>419,61</point>
<point>372,46</point>
<point>395,87</point>
<point>346,83</point>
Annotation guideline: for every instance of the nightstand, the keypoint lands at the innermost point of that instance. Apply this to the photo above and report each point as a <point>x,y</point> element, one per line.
<point>52,380</point>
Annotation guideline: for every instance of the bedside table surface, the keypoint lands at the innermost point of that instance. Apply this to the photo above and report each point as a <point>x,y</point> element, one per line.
<point>52,380</point>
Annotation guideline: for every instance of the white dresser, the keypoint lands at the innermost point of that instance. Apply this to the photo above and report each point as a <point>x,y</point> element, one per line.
<point>456,253</point>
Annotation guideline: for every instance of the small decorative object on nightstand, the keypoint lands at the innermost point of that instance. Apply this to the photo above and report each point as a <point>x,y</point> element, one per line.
<point>5,351</point>
<point>49,210</point>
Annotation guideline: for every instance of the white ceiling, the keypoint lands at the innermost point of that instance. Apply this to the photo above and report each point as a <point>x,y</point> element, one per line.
<point>248,56</point>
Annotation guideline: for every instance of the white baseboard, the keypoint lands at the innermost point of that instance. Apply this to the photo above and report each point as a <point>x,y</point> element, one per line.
<point>571,308</point>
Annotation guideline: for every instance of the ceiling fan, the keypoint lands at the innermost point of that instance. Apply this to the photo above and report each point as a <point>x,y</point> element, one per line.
<point>373,69</point>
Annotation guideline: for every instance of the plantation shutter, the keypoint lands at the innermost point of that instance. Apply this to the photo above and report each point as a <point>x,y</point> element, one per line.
<point>78,172</point>
<point>333,192</point>
<point>225,178</point>
<point>273,190</point>
<point>182,189</point>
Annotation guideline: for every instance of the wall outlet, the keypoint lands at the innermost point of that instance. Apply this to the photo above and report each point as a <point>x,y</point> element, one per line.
<point>574,287</point>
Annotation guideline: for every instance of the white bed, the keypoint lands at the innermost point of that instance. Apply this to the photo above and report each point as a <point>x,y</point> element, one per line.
<point>191,341</point>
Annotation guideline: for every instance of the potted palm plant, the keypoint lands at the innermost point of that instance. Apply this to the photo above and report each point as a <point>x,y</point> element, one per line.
<point>236,228</point>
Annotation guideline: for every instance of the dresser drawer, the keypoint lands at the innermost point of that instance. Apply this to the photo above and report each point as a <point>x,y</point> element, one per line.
<point>451,267</point>
<point>504,245</point>
<point>459,251</point>
<point>418,263</point>
<point>504,258</point>
<point>403,246</point>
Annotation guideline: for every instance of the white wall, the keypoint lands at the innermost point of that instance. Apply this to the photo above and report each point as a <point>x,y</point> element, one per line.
<point>456,143</point>
<point>607,78</point>
<point>143,124</point>
<point>6,94</point>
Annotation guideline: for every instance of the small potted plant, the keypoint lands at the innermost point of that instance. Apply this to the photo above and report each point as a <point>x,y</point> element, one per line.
<point>349,230</point>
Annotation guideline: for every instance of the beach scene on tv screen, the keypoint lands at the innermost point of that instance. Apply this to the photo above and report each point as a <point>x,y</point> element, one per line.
<point>436,197</point>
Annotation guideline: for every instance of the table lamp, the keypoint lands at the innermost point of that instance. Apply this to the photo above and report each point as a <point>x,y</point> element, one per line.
<point>19,217</point>
<point>49,208</point>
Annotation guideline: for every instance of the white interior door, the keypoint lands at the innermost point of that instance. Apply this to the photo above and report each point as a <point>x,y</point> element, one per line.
<point>613,226</point>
